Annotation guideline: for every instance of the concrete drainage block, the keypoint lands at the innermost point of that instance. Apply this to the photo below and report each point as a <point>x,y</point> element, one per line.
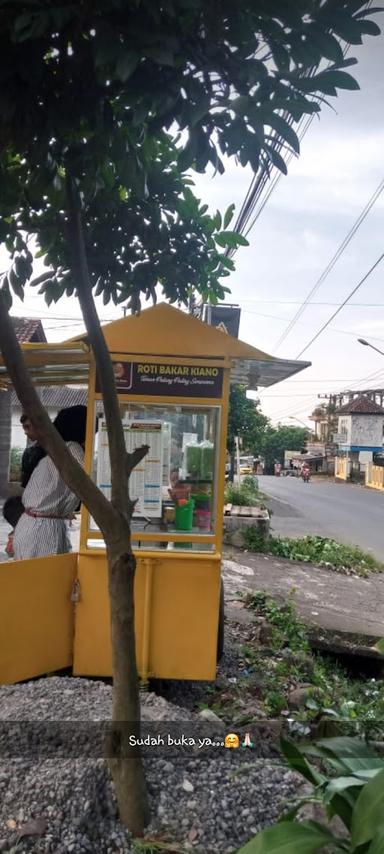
<point>238,519</point>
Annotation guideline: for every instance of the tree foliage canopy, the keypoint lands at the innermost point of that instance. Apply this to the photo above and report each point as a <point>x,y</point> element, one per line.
<point>124,96</point>
<point>276,440</point>
<point>244,420</point>
<point>258,435</point>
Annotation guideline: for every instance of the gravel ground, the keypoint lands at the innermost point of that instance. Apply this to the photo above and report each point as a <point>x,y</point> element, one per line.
<point>209,803</point>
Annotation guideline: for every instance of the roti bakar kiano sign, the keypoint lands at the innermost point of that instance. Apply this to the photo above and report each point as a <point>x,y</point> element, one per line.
<point>167,380</point>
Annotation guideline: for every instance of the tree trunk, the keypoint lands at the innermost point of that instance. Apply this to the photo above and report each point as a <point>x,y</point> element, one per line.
<point>113,518</point>
<point>126,766</point>
<point>5,439</point>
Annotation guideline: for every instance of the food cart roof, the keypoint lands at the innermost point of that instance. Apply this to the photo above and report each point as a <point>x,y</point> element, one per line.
<point>158,331</point>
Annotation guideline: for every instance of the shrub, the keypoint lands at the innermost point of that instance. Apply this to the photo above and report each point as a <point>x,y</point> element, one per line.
<point>355,794</point>
<point>245,495</point>
<point>250,482</point>
<point>318,550</point>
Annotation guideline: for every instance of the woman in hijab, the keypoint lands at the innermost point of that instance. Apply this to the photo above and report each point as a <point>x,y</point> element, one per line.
<point>48,502</point>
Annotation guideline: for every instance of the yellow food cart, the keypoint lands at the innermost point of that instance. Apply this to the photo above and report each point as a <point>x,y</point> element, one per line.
<point>173,374</point>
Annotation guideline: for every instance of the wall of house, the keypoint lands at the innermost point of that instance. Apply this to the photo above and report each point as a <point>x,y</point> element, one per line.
<point>345,428</point>
<point>367,431</point>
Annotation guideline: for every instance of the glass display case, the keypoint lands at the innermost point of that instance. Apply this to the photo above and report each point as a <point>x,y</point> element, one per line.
<point>175,485</point>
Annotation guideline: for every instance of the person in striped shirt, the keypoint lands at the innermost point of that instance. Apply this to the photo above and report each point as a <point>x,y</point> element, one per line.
<point>48,502</point>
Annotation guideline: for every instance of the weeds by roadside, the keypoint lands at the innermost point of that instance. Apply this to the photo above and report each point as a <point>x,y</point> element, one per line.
<point>244,495</point>
<point>281,678</point>
<point>328,692</point>
<point>320,551</point>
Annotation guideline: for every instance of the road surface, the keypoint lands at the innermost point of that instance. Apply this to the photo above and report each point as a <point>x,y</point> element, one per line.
<point>348,513</point>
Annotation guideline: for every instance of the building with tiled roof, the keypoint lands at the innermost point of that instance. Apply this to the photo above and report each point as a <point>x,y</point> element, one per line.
<point>53,398</point>
<point>29,330</point>
<point>57,397</point>
<point>361,405</point>
<point>360,432</point>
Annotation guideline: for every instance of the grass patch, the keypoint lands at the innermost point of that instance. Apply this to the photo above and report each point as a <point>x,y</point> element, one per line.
<point>245,495</point>
<point>288,661</point>
<point>320,551</point>
<point>275,658</point>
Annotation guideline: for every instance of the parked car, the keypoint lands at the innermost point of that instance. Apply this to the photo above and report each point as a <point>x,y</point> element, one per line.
<point>246,469</point>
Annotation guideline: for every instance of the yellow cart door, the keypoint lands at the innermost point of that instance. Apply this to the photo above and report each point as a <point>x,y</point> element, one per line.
<point>36,616</point>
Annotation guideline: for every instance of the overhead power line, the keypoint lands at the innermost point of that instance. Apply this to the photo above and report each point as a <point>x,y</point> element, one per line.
<point>300,302</point>
<point>261,181</point>
<point>332,262</point>
<point>341,306</point>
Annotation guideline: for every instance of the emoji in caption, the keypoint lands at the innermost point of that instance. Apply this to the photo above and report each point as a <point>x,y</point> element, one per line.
<point>232,740</point>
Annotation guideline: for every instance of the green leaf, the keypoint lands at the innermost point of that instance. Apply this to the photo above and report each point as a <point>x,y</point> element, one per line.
<point>241,105</point>
<point>16,284</point>
<point>230,238</point>
<point>48,298</point>
<point>342,80</point>
<point>127,64</point>
<point>369,27</point>
<point>21,267</point>
<point>284,129</point>
<point>377,844</point>
<point>198,111</point>
<point>276,158</point>
<point>160,55</point>
<point>187,154</point>
<point>228,215</point>
<point>298,762</point>
<point>217,222</point>
<point>342,806</point>
<point>339,784</point>
<point>328,45</point>
<point>288,838</point>
<point>351,753</point>
<point>379,646</point>
<point>368,813</point>
<point>368,774</point>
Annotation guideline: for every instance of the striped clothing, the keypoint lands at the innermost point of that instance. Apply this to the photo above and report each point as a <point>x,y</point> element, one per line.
<point>46,494</point>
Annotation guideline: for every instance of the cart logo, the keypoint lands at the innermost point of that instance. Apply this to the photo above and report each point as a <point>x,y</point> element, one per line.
<point>222,327</point>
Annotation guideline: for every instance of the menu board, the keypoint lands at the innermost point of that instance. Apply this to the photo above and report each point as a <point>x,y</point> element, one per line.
<point>146,478</point>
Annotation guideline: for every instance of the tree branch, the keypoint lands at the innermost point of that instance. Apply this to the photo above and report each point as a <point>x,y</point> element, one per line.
<point>135,458</point>
<point>70,470</point>
<point>116,441</point>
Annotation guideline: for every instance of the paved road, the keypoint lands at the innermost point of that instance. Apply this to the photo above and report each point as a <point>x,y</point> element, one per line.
<point>350,514</point>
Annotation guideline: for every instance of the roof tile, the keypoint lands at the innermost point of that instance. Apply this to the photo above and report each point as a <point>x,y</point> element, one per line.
<point>58,397</point>
<point>28,330</point>
<point>361,405</point>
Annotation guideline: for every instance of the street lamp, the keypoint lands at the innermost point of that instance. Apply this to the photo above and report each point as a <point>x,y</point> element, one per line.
<point>372,346</point>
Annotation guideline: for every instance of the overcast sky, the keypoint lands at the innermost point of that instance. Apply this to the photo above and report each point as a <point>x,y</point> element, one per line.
<point>306,218</point>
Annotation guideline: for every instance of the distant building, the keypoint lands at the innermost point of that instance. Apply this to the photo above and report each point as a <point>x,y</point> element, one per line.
<point>28,329</point>
<point>360,431</point>
<point>53,399</point>
<point>325,420</point>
